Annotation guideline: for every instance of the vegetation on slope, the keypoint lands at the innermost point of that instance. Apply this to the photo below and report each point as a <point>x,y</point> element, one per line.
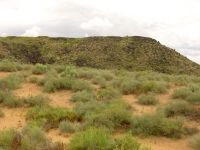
<point>130,53</point>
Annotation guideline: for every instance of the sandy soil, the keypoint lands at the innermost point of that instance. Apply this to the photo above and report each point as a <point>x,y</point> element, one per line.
<point>15,117</point>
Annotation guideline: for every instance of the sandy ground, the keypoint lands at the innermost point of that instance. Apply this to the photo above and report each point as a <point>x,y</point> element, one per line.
<point>15,117</point>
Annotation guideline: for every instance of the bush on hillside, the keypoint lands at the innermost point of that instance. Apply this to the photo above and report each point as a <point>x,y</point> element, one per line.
<point>181,93</point>
<point>113,116</point>
<point>157,124</point>
<point>83,109</point>
<point>11,82</point>
<point>148,99</point>
<point>39,69</point>
<point>108,94</point>
<point>91,139</point>
<point>70,72</point>
<point>177,108</point>
<point>8,66</point>
<point>194,98</point>
<point>83,96</point>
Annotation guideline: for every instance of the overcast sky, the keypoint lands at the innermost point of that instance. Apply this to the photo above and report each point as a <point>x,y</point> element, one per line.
<point>175,23</point>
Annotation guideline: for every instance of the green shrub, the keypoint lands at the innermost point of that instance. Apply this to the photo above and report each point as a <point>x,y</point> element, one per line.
<point>80,85</point>
<point>51,116</point>
<point>181,93</point>
<point>6,138</point>
<point>177,108</point>
<point>99,80</point>
<point>107,75</point>
<point>38,100</point>
<point>83,96</point>
<point>193,87</point>
<point>194,98</point>
<point>148,99</point>
<point>87,73</point>
<point>70,72</point>
<point>83,109</point>
<point>108,94</point>
<point>33,79</point>
<point>34,138</point>
<point>91,139</point>
<point>152,86</point>
<point>157,124</point>
<point>59,68</point>
<point>69,127</point>
<point>129,86</point>
<point>128,143</point>
<point>39,69</point>
<point>181,80</point>
<point>149,86</point>
<point>8,66</point>
<point>51,85</point>
<point>11,82</point>
<point>113,116</point>
<point>195,142</point>
<point>1,113</point>
<point>9,99</point>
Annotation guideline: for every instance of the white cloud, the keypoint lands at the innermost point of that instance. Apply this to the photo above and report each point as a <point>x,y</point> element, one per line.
<point>35,31</point>
<point>96,24</point>
<point>4,34</point>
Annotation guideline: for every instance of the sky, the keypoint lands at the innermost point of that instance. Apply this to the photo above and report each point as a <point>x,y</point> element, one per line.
<point>174,23</point>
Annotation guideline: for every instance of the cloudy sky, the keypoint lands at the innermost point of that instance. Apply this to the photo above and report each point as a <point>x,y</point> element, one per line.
<point>175,23</point>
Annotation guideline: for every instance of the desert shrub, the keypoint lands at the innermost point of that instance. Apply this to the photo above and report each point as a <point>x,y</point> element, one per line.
<point>148,99</point>
<point>108,94</point>
<point>8,66</point>
<point>193,87</point>
<point>33,138</point>
<point>91,139</point>
<point>59,68</point>
<point>113,116</point>
<point>149,86</point>
<point>80,85</point>
<point>129,86</point>
<point>177,108</point>
<point>181,93</point>
<point>157,124</point>
<point>51,116</point>
<point>180,80</point>
<point>11,82</point>
<point>83,96</point>
<point>107,75</point>
<point>38,100</point>
<point>87,73</point>
<point>195,142</point>
<point>9,99</point>
<point>6,138</point>
<point>26,67</point>
<point>83,109</point>
<point>152,86</point>
<point>98,80</point>
<point>67,83</point>
<point>194,98</point>
<point>51,73</point>
<point>1,113</point>
<point>39,69</point>
<point>70,127</point>
<point>128,143</point>
<point>33,79</point>
<point>70,72</point>
<point>51,85</point>
<point>117,82</point>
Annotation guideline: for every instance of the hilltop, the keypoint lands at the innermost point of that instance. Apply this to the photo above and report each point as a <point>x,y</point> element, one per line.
<point>129,53</point>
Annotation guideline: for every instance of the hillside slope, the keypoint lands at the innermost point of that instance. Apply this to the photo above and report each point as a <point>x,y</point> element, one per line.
<point>131,53</point>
